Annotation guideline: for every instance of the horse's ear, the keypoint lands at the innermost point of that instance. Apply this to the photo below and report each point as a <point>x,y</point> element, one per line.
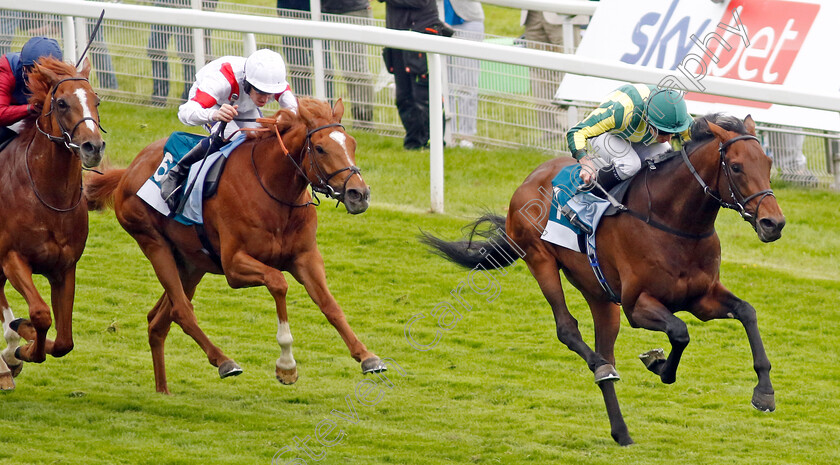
<point>749,124</point>
<point>305,114</point>
<point>85,69</point>
<point>48,76</point>
<point>338,110</point>
<point>719,132</point>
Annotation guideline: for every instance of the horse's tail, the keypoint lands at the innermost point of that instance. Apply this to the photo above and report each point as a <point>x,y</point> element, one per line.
<point>497,250</point>
<point>99,189</point>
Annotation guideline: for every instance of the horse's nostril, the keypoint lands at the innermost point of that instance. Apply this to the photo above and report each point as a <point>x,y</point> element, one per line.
<point>767,224</point>
<point>354,195</point>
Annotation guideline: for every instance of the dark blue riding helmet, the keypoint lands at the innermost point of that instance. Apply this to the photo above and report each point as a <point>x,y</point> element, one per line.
<point>38,47</point>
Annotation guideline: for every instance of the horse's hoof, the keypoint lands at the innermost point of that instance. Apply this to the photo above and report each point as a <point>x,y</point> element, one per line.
<point>373,365</point>
<point>229,368</point>
<point>16,369</point>
<point>7,383</point>
<point>623,439</point>
<point>286,377</point>
<point>764,402</point>
<point>654,360</point>
<point>606,372</point>
<point>14,324</point>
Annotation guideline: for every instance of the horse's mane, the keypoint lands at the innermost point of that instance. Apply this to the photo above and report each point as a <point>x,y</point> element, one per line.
<point>40,79</point>
<point>701,134</point>
<point>286,119</point>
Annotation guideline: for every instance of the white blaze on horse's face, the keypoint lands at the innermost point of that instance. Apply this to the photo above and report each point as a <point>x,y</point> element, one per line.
<point>339,137</point>
<point>82,96</point>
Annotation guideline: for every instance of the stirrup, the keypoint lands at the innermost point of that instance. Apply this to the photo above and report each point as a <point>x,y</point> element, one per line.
<point>575,220</point>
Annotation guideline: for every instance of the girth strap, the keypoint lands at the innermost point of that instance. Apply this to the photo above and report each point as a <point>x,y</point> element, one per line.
<point>207,247</point>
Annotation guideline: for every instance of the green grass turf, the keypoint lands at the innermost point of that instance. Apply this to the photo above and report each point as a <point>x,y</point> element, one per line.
<point>497,388</point>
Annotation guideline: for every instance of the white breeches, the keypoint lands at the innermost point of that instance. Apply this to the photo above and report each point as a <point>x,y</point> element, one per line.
<point>609,149</point>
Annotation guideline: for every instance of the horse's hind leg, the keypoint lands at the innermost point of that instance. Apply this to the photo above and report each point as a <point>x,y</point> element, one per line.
<point>723,304</point>
<point>160,321</point>
<point>546,273</point>
<point>650,314</point>
<point>160,255</point>
<point>7,383</point>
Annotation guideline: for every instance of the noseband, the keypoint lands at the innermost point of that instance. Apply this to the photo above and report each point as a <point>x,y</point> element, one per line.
<point>739,202</point>
<point>66,136</point>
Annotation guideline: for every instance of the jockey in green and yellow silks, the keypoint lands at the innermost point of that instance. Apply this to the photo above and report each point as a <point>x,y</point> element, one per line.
<point>636,122</point>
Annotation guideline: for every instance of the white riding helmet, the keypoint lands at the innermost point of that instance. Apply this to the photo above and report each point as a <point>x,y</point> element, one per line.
<point>266,71</point>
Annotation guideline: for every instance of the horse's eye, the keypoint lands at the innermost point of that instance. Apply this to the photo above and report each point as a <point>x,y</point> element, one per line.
<point>736,168</point>
<point>61,104</point>
<point>320,150</point>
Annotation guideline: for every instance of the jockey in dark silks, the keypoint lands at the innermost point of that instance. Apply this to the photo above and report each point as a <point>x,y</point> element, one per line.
<point>14,93</point>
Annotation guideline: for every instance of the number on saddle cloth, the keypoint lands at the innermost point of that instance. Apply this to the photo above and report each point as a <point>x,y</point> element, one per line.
<point>178,145</point>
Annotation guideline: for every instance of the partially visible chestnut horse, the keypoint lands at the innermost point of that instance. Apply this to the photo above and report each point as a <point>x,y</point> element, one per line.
<point>667,261</point>
<point>43,222</point>
<point>259,223</point>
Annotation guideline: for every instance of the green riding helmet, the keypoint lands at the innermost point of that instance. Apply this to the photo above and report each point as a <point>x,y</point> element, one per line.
<point>666,111</point>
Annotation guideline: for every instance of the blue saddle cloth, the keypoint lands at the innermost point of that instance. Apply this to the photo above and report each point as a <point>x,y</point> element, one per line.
<point>589,208</point>
<point>178,145</point>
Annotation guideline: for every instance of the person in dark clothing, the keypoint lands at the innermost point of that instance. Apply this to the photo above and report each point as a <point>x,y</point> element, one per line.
<point>14,89</point>
<point>409,68</point>
<point>350,57</point>
<point>298,52</point>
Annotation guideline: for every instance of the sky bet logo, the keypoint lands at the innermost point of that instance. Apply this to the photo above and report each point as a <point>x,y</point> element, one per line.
<point>756,40</point>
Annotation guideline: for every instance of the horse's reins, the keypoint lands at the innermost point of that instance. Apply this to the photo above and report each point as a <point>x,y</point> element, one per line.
<point>323,186</point>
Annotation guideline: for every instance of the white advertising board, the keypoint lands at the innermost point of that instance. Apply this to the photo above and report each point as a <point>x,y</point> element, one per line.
<point>791,43</point>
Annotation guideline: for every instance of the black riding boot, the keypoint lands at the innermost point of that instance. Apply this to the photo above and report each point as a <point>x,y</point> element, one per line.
<point>607,179</point>
<point>171,187</point>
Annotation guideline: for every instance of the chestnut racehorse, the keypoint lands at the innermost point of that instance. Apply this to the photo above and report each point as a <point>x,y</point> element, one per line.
<point>260,222</point>
<point>661,257</point>
<point>43,221</point>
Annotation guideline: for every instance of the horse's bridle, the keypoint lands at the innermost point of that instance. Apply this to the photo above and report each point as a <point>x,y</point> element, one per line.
<point>323,185</point>
<point>67,139</point>
<point>739,202</point>
<point>66,136</point>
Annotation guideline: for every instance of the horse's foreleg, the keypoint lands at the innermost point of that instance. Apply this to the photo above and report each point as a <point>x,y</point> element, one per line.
<point>308,269</point>
<point>19,274</point>
<point>723,304</point>
<point>63,291</point>
<point>242,270</point>
<point>650,314</point>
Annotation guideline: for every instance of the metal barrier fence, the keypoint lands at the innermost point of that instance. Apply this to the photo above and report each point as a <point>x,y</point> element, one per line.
<point>151,64</point>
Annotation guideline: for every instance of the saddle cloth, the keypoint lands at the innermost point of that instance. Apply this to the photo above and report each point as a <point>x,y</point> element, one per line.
<point>590,210</point>
<point>178,144</point>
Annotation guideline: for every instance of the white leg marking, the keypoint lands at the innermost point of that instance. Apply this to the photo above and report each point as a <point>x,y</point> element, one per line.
<point>82,95</point>
<point>284,338</point>
<point>12,340</point>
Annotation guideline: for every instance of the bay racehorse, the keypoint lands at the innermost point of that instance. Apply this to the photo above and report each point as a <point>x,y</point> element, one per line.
<point>661,258</point>
<point>43,221</point>
<point>260,223</point>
